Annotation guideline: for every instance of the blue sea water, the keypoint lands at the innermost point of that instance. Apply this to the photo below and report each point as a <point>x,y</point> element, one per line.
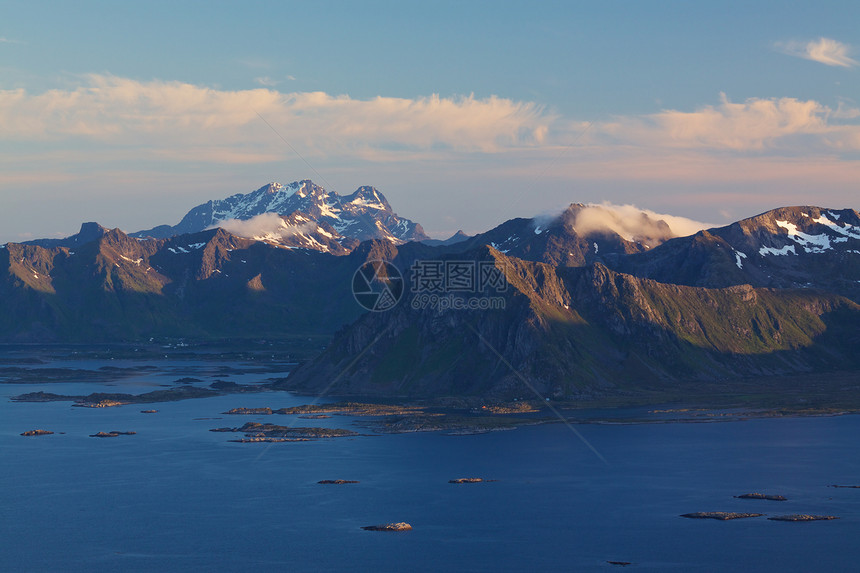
<point>176,497</point>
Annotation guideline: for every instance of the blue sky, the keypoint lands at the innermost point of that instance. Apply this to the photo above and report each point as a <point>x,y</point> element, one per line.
<point>462,114</point>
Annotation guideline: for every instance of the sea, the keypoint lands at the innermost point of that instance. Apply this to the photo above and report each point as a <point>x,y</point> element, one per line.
<point>176,497</point>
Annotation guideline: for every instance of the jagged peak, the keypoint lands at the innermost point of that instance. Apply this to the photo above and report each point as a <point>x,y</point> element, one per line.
<point>306,187</point>
<point>91,227</point>
<point>457,237</point>
<point>219,233</point>
<point>376,250</point>
<point>114,235</point>
<point>367,196</point>
<point>366,191</point>
<point>574,207</point>
<point>302,188</point>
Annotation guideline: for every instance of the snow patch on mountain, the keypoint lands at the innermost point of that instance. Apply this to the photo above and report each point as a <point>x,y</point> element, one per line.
<point>773,251</point>
<point>848,230</point>
<point>819,243</point>
<point>362,202</point>
<point>738,256</point>
<point>499,248</point>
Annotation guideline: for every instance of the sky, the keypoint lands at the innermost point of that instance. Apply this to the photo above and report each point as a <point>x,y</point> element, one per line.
<point>463,114</point>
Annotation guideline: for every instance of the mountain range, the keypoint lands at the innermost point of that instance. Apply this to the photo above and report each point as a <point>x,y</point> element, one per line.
<point>587,309</point>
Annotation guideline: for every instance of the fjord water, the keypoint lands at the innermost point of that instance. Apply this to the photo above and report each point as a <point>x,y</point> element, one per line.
<point>176,497</point>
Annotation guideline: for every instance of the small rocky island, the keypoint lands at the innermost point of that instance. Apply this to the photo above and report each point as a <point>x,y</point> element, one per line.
<point>762,496</point>
<point>469,480</point>
<point>802,517</point>
<point>36,433</point>
<point>401,526</point>
<point>111,434</point>
<point>402,418</point>
<point>100,404</point>
<point>257,432</point>
<point>249,411</point>
<point>336,481</point>
<point>721,515</point>
<point>108,400</point>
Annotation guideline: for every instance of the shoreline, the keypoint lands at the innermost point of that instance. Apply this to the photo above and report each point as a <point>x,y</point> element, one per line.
<point>811,395</point>
<point>396,417</point>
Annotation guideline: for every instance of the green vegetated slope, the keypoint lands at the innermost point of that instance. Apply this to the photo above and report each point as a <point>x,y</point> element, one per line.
<point>586,332</point>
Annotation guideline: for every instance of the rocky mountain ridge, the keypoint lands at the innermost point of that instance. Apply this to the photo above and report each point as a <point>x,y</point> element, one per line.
<point>789,247</point>
<point>206,284</point>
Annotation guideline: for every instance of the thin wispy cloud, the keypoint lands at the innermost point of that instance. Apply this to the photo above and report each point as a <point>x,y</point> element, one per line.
<point>4,40</point>
<point>846,111</point>
<point>266,81</point>
<point>269,82</point>
<point>253,63</point>
<point>823,50</point>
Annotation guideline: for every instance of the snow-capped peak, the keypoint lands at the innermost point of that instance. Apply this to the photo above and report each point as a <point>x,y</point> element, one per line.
<point>364,214</point>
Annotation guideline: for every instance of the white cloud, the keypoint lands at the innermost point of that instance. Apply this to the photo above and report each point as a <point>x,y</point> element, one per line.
<point>169,115</point>
<point>823,50</point>
<point>165,120</point>
<point>4,40</point>
<point>267,226</point>
<point>775,124</point>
